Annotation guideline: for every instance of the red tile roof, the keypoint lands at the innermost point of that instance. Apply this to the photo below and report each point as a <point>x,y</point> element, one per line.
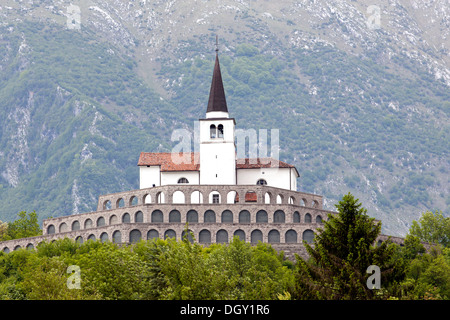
<point>171,161</point>
<point>190,161</point>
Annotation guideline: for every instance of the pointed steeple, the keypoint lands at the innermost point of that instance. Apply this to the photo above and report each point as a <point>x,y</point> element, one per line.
<point>217,101</point>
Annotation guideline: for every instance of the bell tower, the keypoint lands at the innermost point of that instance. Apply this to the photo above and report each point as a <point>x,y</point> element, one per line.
<point>217,147</point>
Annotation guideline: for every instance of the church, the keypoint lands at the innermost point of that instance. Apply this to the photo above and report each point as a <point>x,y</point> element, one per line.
<point>216,163</point>
<point>209,196</point>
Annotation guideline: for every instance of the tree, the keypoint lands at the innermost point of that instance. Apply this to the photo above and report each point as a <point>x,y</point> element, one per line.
<point>340,255</point>
<point>432,228</point>
<point>25,226</point>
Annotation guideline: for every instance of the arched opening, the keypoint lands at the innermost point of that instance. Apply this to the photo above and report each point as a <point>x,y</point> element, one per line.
<point>291,236</point>
<point>296,217</point>
<point>75,225</point>
<point>117,237</point>
<point>244,216</point>
<point>307,218</point>
<point>183,180</point>
<point>5,250</point>
<point>274,236</point>
<point>147,199</point>
<point>303,202</point>
<point>261,182</point>
<point>315,204</point>
<point>196,197</point>
<point>214,197</point>
<point>175,216</point>
<point>160,197</point>
<point>91,237</point>
<point>79,240</point>
<point>51,229</point>
<point>19,247</point>
<point>279,217</point>
<point>209,217</point>
<point>192,216</point>
<point>170,234</point>
<point>126,218</point>
<point>104,237</point>
<point>157,216</point>
<point>204,236</point>
<point>318,219</point>
<point>220,131</point>
<point>139,217</point>
<point>63,227</point>
<point>30,246</point>
<point>107,205</point>
<point>267,198</point>
<point>152,234</point>
<point>227,216</point>
<point>135,236</point>
<point>250,196</point>
<point>256,236</point>
<point>212,131</point>
<point>261,216</point>
<point>187,235</point>
<point>308,236</point>
<point>279,199</point>
<point>101,222</point>
<point>120,203</point>
<point>240,234</point>
<point>178,197</point>
<point>231,197</point>
<point>222,236</point>
<point>133,201</point>
<point>88,224</point>
<point>113,219</point>
<point>291,200</point>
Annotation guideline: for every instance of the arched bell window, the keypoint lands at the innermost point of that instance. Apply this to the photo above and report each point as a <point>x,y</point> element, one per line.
<point>220,131</point>
<point>212,131</point>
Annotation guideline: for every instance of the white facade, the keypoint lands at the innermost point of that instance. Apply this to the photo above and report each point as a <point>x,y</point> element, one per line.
<point>285,178</point>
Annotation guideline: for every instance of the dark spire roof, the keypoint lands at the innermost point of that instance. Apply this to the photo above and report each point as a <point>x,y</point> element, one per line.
<point>217,101</point>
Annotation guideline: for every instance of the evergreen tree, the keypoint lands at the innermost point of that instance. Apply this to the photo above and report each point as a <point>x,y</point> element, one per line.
<point>340,255</point>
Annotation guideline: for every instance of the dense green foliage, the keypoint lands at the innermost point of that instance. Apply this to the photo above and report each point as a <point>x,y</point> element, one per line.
<point>26,225</point>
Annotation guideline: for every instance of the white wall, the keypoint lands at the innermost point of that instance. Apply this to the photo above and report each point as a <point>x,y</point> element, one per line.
<point>149,176</point>
<point>171,177</point>
<point>276,177</point>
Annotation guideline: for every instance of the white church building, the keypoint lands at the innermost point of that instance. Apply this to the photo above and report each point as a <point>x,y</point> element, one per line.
<point>216,163</point>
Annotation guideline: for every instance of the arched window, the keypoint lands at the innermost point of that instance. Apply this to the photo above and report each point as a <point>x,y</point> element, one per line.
<point>227,216</point>
<point>307,218</point>
<point>170,234</point>
<point>192,216</point>
<point>183,180</point>
<point>296,217</point>
<point>139,217</point>
<point>256,236</point>
<point>101,222</point>
<point>318,219</point>
<point>261,182</point>
<point>157,216</point>
<point>209,217</point>
<point>220,131</point>
<point>222,236</point>
<point>126,218</point>
<point>244,216</point>
<point>204,236</point>
<point>291,236</point>
<point>240,234</point>
<point>308,236</point>
<point>279,217</point>
<point>152,234</point>
<point>212,131</point>
<point>174,216</point>
<point>51,229</point>
<point>135,236</point>
<point>261,216</point>
<point>274,236</point>
<point>75,225</point>
<point>117,237</point>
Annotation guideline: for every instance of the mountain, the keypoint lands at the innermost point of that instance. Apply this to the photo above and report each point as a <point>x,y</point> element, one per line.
<point>359,92</point>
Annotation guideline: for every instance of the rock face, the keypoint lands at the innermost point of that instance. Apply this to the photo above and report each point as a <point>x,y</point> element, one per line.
<point>361,90</point>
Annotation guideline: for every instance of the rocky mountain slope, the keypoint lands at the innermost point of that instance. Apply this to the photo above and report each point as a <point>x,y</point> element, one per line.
<point>359,91</point>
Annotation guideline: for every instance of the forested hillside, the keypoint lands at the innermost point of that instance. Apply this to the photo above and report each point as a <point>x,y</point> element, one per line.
<point>359,109</point>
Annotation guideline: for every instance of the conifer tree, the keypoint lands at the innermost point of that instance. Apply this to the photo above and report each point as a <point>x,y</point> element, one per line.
<point>340,255</point>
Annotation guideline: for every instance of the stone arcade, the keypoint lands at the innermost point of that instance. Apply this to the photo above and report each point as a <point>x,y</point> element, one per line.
<point>216,194</point>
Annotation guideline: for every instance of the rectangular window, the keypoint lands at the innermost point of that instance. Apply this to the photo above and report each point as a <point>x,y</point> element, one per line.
<point>215,198</point>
